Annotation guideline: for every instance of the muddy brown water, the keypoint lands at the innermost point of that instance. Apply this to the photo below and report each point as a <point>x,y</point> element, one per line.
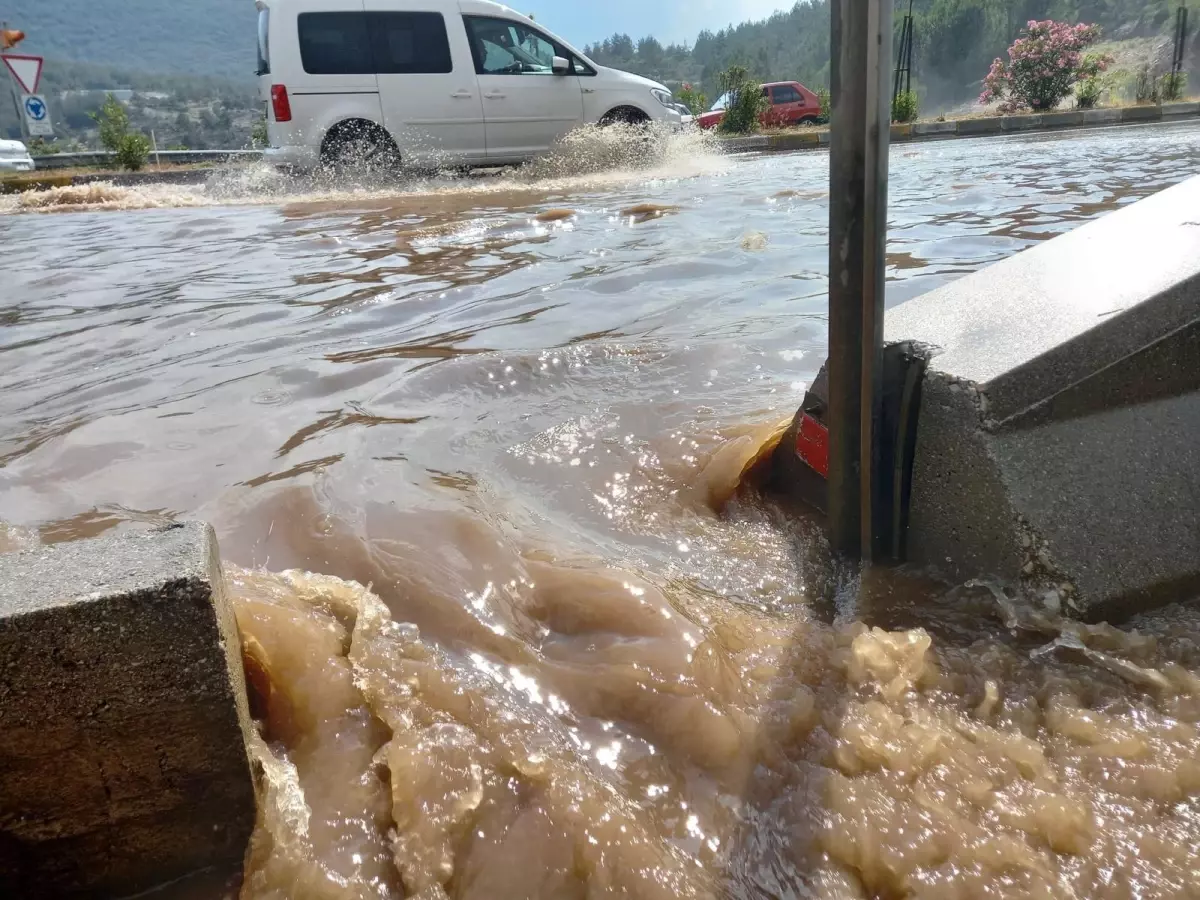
<point>473,449</point>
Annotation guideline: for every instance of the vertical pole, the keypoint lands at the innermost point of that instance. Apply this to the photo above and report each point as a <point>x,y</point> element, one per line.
<point>15,92</point>
<point>1180,40</point>
<point>861,45</point>
<point>909,57</point>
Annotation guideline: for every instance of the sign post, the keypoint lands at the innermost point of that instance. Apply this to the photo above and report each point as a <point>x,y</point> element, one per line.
<point>32,110</point>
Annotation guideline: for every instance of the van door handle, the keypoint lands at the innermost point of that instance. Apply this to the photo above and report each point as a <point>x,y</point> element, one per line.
<point>494,95</point>
<point>462,95</point>
<point>589,90</point>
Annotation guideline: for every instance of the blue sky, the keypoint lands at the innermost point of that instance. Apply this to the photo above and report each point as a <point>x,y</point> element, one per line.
<point>584,21</point>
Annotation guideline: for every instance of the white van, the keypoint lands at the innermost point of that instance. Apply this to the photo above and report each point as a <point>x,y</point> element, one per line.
<point>430,83</point>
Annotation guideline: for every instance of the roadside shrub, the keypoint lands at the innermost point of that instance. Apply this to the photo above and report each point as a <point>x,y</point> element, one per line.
<point>746,102</point>
<point>1172,87</point>
<point>113,121</point>
<point>693,99</point>
<point>905,107</point>
<point>826,101</point>
<point>133,151</point>
<point>1043,66</point>
<point>1087,93</point>
<point>258,134</point>
<point>1145,86</point>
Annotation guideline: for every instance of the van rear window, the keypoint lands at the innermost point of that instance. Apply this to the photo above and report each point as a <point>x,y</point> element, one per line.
<point>335,43</point>
<point>352,43</point>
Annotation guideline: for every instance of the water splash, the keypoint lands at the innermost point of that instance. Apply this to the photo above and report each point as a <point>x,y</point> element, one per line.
<point>589,157</point>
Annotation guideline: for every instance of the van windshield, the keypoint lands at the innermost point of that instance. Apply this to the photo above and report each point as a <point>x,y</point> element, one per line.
<point>264,46</point>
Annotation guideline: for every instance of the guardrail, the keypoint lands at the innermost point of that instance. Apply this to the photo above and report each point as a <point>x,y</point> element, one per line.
<point>176,157</point>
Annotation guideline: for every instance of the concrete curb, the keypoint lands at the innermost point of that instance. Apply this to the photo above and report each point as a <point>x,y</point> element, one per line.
<point>123,716</point>
<point>123,179</point>
<point>176,157</point>
<point>1057,438</point>
<point>921,131</point>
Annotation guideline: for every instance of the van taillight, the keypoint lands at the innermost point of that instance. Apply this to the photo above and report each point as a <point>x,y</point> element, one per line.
<point>280,105</point>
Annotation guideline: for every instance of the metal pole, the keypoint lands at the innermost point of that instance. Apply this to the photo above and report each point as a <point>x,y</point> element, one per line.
<point>912,24</point>
<point>1180,40</point>
<point>861,45</point>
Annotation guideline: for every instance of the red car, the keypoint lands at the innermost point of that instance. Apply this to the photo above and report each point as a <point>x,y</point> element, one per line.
<point>790,103</point>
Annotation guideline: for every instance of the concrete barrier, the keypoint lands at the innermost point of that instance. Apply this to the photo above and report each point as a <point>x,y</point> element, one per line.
<point>935,129</point>
<point>1094,117</point>
<point>88,158</point>
<point>796,140</point>
<point>1058,442</point>
<point>1177,110</point>
<point>1021,123</point>
<point>1062,120</point>
<point>123,761</point>
<point>1141,114</point>
<point>977,127</point>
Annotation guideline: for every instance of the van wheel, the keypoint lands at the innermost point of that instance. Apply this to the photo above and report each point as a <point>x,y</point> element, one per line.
<point>624,115</point>
<point>360,146</point>
<point>808,120</point>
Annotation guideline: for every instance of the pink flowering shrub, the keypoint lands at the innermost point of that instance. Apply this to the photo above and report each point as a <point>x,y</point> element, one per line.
<point>1043,66</point>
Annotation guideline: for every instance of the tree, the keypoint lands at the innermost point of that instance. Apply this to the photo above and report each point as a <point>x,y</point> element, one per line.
<point>113,121</point>
<point>1043,66</point>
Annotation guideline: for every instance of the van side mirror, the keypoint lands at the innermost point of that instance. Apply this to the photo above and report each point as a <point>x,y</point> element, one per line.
<point>560,66</point>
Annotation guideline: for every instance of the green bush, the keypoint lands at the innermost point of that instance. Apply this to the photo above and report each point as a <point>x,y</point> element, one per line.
<point>133,151</point>
<point>905,107</point>
<point>1146,86</point>
<point>1172,87</point>
<point>113,121</point>
<point>1087,93</point>
<point>826,101</point>
<point>746,101</point>
<point>258,134</point>
<point>693,99</point>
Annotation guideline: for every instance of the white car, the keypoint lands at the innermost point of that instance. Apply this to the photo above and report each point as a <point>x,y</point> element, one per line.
<point>430,83</point>
<point>14,157</point>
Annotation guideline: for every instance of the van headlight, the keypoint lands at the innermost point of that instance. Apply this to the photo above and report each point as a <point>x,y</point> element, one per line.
<point>663,97</point>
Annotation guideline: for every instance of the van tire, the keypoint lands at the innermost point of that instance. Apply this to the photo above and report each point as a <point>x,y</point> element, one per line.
<point>359,146</point>
<point>624,115</point>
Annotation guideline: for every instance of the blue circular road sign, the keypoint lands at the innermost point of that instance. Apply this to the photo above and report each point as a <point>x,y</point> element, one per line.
<point>35,108</point>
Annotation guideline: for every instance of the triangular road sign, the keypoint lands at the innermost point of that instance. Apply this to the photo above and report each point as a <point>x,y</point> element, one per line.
<point>27,70</point>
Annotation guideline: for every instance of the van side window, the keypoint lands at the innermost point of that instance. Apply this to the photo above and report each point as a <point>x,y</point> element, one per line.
<point>410,43</point>
<point>361,43</point>
<point>335,43</point>
<point>504,47</point>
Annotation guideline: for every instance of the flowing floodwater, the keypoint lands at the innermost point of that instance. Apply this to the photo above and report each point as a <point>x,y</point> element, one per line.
<point>473,451</point>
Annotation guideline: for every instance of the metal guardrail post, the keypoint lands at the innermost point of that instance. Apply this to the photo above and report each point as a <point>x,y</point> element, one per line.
<point>861,47</point>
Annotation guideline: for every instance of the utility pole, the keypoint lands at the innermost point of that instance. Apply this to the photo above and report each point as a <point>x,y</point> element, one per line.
<point>903,81</point>
<point>1181,17</point>
<point>861,46</point>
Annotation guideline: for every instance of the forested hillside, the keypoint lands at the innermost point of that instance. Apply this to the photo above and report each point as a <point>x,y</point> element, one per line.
<point>956,40</point>
<point>197,37</point>
<point>201,52</point>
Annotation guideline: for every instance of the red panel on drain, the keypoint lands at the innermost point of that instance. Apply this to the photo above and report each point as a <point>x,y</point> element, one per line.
<point>812,445</point>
